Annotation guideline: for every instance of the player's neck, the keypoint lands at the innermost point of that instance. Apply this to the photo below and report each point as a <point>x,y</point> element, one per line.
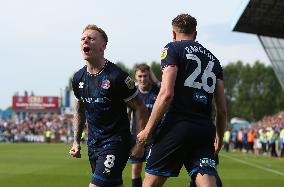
<point>181,36</point>
<point>95,66</point>
<point>184,38</point>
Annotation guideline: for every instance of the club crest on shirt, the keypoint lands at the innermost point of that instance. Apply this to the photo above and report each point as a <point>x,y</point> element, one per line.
<point>164,53</point>
<point>105,84</point>
<point>129,82</point>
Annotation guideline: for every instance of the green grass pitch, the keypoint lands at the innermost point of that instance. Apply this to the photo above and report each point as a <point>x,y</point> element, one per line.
<point>49,165</point>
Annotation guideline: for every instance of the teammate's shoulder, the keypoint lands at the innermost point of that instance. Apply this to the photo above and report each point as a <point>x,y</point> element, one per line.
<point>171,47</point>
<point>180,44</point>
<point>209,53</point>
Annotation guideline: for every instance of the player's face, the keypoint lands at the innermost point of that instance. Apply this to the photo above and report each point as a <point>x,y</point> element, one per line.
<point>143,79</point>
<point>92,45</point>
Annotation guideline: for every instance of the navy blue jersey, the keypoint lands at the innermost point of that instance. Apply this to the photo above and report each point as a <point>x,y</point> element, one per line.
<point>149,99</point>
<point>104,95</point>
<point>198,71</point>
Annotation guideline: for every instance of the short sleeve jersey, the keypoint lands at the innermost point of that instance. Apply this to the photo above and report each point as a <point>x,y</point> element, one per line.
<point>149,99</point>
<point>198,71</point>
<point>104,96</point>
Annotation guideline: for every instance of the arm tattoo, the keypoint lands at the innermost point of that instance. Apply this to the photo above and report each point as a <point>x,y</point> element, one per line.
<point>78,121</point>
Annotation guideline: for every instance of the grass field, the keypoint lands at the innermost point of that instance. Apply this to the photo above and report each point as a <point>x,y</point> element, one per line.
<point>49,165</point>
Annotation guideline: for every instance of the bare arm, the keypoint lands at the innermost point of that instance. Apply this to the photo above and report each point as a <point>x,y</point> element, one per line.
<point>162,103</point>
<point>79,121</point>
<point>141,113</point>
<point>78,126</point>
<point>221,117</point>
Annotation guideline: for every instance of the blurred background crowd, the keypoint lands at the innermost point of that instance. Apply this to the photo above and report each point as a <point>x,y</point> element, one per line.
<point>265,137</point>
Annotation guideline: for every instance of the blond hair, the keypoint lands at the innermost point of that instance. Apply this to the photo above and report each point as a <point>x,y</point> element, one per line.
<point>96,28</point>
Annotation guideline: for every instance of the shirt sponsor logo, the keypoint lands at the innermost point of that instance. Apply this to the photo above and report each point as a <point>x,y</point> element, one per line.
<point>105,84</point>
<point>92,100</point>
<point>200,97</point>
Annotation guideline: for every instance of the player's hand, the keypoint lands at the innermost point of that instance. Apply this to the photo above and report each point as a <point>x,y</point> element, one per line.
<point>144,136</point>
<point>137,151</point>
<point>75,150</point>
<point>218,145</point>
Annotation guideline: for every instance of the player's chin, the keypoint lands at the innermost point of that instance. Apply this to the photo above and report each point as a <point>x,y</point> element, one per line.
<point>86,57</point>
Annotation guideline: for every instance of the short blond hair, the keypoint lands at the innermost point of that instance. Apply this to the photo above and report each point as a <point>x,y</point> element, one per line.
<point>96,28</point>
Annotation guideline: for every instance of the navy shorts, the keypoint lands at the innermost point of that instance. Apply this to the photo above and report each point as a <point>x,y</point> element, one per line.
<point>108,161</point>
<point>183,143</point>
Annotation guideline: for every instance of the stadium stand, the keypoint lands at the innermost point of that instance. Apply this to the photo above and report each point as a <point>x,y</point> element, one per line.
<point>265,18</point>
<point>37,128</point>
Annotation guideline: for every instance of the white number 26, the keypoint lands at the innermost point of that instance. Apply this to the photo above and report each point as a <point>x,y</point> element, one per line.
<point>190,81</point>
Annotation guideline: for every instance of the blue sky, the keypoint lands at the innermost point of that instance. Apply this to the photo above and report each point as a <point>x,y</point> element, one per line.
<point>39,48</point>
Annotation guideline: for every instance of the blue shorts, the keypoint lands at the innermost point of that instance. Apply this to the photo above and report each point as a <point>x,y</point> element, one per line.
<point>183,143</point>
<point>108,161</point>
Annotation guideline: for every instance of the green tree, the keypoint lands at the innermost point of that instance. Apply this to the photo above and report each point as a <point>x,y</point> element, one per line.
<point>122,66</point>
<point>156,68</point>
<point>252,91</point>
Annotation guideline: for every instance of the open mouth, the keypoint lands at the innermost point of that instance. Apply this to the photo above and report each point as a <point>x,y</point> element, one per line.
<point>86,49</point>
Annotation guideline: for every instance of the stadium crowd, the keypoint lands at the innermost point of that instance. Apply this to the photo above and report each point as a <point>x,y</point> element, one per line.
<point>264,137</point>
<point>34,127</point>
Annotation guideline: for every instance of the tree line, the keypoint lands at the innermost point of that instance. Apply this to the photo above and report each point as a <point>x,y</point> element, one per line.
<point>252,91</point>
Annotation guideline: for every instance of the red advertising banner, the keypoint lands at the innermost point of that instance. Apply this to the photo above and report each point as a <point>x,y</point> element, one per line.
<point>35,103</point>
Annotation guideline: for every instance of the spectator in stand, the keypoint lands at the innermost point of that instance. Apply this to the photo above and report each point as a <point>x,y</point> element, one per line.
<point>271,140</point>
<point>245,140</point>
<point>239,139</point>
<point>226,140</point>
<point>257,144</point>
<point>251,139</point>
<point>263,141</point>
<point>281,137</point>
<point>234,139</point>
<point>48,136</point>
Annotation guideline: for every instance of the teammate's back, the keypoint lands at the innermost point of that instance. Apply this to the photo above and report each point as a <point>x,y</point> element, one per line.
<point>191,76</point>
<point>198,70</point>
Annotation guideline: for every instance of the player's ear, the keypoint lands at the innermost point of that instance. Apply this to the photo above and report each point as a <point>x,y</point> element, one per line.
<point>174,35</point>
<point>103,47</point>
